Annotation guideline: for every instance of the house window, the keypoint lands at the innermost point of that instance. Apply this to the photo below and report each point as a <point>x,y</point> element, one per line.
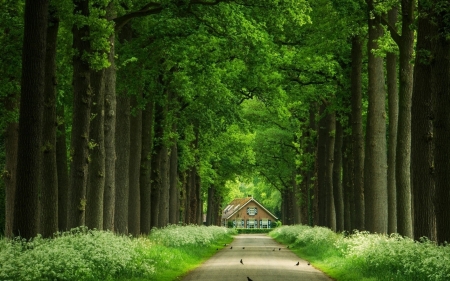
<point>252,211</point>
<point>252,223</point>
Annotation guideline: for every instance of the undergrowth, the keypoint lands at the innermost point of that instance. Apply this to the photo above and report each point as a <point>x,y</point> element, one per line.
<point>85,255</point>
<point>365,256</point>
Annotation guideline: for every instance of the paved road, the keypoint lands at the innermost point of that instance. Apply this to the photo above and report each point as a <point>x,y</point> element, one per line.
<point>261,263</point>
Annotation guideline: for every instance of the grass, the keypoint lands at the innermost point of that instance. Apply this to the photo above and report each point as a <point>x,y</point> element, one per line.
<point>86,255</point>
<point>367,257</point>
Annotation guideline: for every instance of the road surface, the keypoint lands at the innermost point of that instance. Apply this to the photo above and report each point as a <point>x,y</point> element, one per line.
<point>262,261</point>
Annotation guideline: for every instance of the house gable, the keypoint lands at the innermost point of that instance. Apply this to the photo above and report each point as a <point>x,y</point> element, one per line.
<point>247,212</point>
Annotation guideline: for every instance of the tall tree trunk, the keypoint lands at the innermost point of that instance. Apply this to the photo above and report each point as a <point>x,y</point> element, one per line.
<point>80,120</point>
<point>403,161</point>
<point>311,150</point>
<point>9,176</point>
<point>210,205</point>
<point>337,178</point>
<point>163,218</point>
<point>62,169</point>
<point>134,207</point>
<point>122,164</point>
<point>440,86</point>
<point>198,189</point>
<point>146,161</point>
<point>375,169</point>
<point>96,177</point>
<point>109,196</point>
<point>331,211</point>
<point>392,87</point>
<point>49,190</point>
<point>25,222</point>
<point>347,179</point>
<point>358,213</point>
<point>322,167</point>
<point>174,196</point>
<point>422,147</point>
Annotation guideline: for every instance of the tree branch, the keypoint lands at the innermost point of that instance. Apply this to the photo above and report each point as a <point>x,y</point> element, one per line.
<point>149,9</point>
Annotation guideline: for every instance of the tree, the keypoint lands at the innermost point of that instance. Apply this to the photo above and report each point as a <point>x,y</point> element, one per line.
<point>25,223</point>
<point>375,170</point>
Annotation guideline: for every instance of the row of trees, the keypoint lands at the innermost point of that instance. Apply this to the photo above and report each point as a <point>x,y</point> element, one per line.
<point>163,103</point>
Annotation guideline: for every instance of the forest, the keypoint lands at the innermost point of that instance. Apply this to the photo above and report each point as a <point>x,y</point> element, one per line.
<point>125,115</point>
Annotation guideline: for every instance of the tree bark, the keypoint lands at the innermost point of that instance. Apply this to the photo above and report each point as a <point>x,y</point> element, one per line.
<point>210,206</point>
<point>347,179</point>
<point>403,161</point>
<point>337,178</point>
<point>422,146</point>
<point>322,167</point>
<point>122,164</point>
<point>96,177</point>
<point>330,207</point>
<point>25,222</point>
<point>80,120</point>
<point>62,169</point>
<point>375,165</point>
<point>9,176</point>
<point>134,207</point>
<point>440,87</point>
<point>174,196</point>
<point>49,190</point>
<point>146,161</point>
<point>357,136</point>
<point>109,196</point>
<point>392,86</point>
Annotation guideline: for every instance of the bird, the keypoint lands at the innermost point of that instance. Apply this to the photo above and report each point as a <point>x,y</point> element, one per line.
<point>248,279</point>
<point>297,263</point>
<point>231,247</point>
<point>243,247</point>
<point>308,263</point>
<point>279,249</point>
<point>242,261</point>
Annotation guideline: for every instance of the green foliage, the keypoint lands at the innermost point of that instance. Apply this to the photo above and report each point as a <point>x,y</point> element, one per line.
<point>365,256</point>
<point>252,230</point>
<point>82,254</point>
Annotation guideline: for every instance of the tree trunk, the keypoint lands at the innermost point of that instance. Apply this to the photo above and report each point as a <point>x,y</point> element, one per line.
<point>134,208</point>
<point>25,222</point>
<point>440,87</point>
<point>347,179</point>
<point>322,167</point>
<point>375,169</point>
<point>49,190</point>
<point>9,176</point>
<point>392,88</point>
<point>109,196</point>
<point>337,178</point>
<point>422,147</point>
<point>210,206</point>
<point>96,177</point>
<point>122,164</point>
<point>163,218</point>
<point>146,161</point>
<point>174,196</point>
<point>330,207</point>
<point>62,169</point>
<point>80,120</point>
<point>403,161</point>
<point>357,136</point>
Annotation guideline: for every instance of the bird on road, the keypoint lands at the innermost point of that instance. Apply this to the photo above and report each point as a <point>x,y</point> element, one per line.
<point>231,247</point>
<point>248,279</point>
<point>279,249</point>
<point>308,263</point>
<point>242,261</point>
<point>297,263</point>
<point>243,247</point>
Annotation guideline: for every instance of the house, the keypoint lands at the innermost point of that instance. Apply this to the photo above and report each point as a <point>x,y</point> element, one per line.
<point>247,213</point>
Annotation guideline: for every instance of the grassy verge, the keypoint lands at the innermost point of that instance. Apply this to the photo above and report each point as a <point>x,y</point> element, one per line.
<point>86,255</point>
<point>362,256</point>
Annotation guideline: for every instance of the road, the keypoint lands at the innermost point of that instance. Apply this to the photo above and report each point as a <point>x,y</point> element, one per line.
<point>260,262</point>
